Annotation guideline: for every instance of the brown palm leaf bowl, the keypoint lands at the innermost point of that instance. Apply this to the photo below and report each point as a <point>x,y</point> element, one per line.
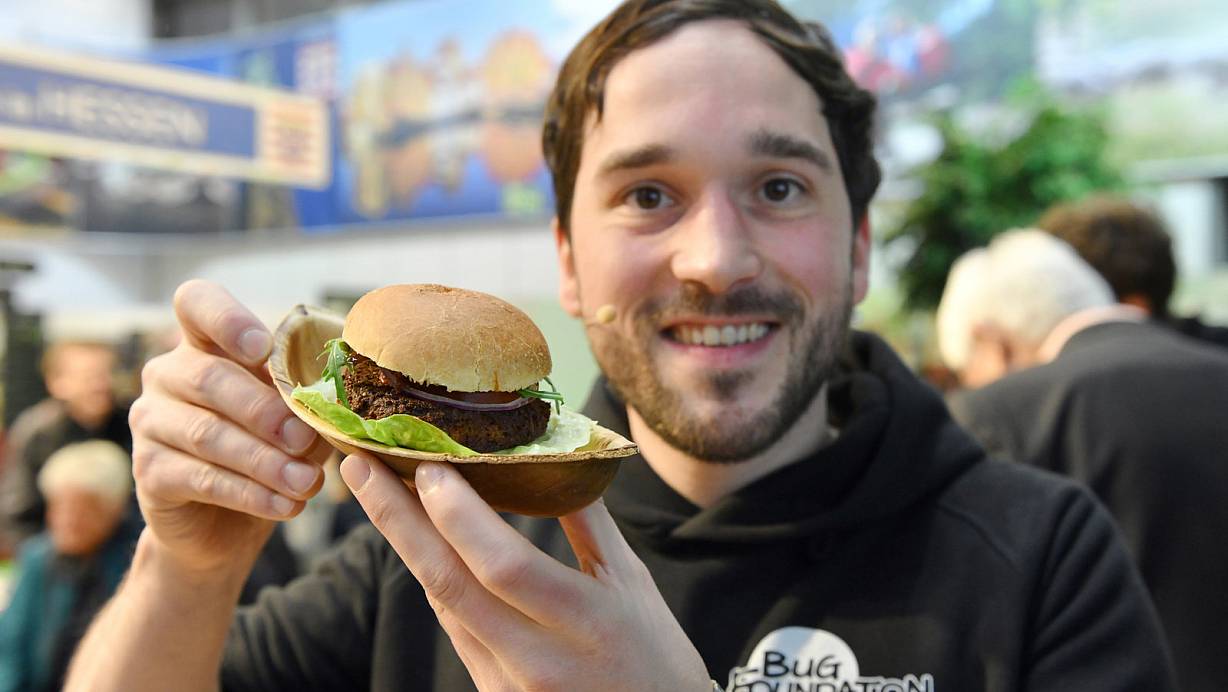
<point>544,485</point>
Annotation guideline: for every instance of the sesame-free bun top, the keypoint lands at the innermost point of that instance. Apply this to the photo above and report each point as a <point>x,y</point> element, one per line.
<point>463,340</point>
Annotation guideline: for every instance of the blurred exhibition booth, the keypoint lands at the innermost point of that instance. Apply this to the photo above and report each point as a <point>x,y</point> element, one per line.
<point>308,151</point>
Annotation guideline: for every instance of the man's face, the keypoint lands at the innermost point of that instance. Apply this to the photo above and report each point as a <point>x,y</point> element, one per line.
<point>709,210</point>
<point>80,521</point>
<point>81,378</point>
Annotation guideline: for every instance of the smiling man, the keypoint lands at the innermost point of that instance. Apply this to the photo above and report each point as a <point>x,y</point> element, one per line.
<point>804,514</point>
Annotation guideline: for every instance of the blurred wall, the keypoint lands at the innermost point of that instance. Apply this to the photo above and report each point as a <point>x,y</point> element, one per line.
<point>111,25</point>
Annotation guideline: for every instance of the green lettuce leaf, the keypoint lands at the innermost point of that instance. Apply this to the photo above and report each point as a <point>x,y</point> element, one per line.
<point>398,430</point>
<point>567,430</point>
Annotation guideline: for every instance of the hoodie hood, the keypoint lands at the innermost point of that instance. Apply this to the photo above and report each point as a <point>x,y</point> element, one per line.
<point>897,445</point>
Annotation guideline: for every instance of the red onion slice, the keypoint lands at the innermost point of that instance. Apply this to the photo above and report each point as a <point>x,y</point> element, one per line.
<point>467,405</point>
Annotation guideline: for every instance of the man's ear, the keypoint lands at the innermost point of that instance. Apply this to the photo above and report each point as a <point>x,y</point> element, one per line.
<point>995,337</point>
<point>569,288</point>
<point>990,356</point>
<point>861,259</point>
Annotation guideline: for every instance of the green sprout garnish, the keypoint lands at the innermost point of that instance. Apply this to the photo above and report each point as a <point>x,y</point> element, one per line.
<point>338,358</point>
<point>552,395</point>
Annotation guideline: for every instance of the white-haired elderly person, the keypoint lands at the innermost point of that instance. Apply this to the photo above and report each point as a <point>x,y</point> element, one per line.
<point>1064,378</point>
<point>66,573</point>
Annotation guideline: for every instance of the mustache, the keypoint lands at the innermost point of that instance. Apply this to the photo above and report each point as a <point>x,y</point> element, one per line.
<point>695,299</point>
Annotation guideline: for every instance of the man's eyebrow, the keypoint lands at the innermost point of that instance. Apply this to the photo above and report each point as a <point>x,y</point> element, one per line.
<point>640,157</point>
<point>780,145</point>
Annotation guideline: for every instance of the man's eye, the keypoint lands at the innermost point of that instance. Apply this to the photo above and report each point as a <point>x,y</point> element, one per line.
<point>779,189</point>
<point>649,198</point>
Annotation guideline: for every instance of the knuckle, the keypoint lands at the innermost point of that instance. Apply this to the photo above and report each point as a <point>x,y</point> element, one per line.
<point>201,377</point>
<point>204,481</point>
<point>380,511</point>
<point>144,457</point>
<point>150,373</point>
<point>264,463</point>
<point>267,413</point>
<point>137,414</point>
<point>502,572</point>
<point>227,324</point>
<point>201,432</point>
<point>444,581</point>
<point>254,498</point>
<point>445,508</point>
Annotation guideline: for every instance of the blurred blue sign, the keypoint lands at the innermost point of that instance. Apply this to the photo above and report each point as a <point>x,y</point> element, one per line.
<point>61,105</point>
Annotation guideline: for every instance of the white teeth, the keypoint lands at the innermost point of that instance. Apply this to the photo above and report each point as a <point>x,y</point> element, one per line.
<point>711,335</point>
<point>729,335</point>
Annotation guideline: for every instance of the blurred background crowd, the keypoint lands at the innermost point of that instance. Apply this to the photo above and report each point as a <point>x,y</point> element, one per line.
<point>308,151</point>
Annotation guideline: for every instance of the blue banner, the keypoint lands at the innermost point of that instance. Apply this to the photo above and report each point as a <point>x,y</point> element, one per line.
<point>84,108</point>
<point>114,111</point>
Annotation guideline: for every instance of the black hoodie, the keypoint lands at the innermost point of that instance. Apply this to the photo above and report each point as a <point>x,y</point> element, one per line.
<point>896,559</point>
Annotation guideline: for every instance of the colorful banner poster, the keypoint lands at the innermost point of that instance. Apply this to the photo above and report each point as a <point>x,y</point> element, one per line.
<point>62,105</point>
<point>903,49</point>
<point>440,106</point>
<point>299,56</point>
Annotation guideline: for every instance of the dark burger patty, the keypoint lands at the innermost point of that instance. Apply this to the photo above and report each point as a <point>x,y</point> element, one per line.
<point>375,393</point>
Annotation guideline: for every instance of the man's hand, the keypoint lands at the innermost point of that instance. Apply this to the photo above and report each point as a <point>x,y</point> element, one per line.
<point>519,619</point>
<point>217,458</point>
<point>216,454</point>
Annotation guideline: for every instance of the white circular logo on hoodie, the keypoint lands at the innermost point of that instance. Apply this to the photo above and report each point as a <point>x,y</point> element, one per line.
<point>796,655</point>
<point>804,659</point>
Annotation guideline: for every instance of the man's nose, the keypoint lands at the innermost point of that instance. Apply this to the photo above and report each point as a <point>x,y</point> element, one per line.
<point>714,245</point>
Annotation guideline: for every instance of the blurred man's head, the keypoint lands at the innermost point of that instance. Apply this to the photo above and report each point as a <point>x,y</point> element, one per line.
<point>1001,303</point>
<point>712,163</point>
<point>1126,243</point>
<point>87,486</point>
<point>79,373</point>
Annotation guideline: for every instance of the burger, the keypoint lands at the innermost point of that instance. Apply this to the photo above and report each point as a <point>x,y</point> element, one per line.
<point>442,369</point>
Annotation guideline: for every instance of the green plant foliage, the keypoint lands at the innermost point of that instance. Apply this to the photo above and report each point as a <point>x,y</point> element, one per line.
<point>975,190</point>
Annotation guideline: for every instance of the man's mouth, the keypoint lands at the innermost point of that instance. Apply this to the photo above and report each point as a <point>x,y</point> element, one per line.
<point>719,334</point>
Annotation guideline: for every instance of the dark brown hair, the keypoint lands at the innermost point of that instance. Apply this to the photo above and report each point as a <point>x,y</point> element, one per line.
<point>1126,243</point>
<point>806,48</point>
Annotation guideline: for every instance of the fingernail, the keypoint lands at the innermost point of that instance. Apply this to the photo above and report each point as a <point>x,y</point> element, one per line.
<point>428,477</point>
<point>297,435</point>
<point>254,344</point>
<point>299,477</point>
<point>355,472</point>
<point>282,505</point>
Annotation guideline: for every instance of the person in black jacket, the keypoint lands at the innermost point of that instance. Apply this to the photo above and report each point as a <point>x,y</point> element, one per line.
<point>803,515</point>
<point>1130,247</point>
<point>1122,404</point>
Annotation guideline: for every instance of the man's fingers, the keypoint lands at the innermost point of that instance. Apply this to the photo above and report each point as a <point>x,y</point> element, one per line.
<point>598,544</point>
<point>478,659</point>
<point>166,475</point>
<point>504,561</point>
<point>220,385</point>
<point>216,440</point>
<point>452,589</point>
<point>211,317</point>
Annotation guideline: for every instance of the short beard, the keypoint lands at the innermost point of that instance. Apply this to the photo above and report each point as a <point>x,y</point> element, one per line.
<point>635,378</point>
